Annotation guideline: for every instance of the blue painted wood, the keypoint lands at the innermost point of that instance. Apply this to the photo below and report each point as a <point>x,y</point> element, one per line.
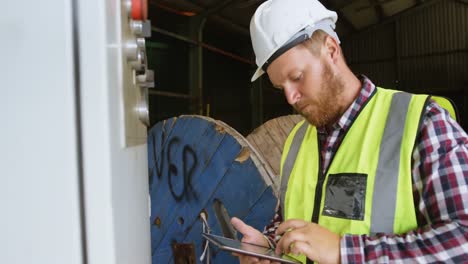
<point>211,177</point>
<point>171,155</point>
<point>213,173</point>
<point>191,163</point>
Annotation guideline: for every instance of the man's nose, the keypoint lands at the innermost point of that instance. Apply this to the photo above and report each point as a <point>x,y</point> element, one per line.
<point>292,94</point>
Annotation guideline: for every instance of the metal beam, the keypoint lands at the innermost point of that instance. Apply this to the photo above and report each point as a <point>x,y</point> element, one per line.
<point>373,4</point>
<point>378,9</point>
<point>345,20</point>
<point>215,8</point>
<point>338,6</point>
<point>218,18</point>
<point>424,55</point>
<point>407,12</point>
<point>248,3</point>
<point>168,94</point>
<point>204,45</point>
<point>341,16</point>
<point>196,27</point>
<point>397,31</point>
<point>256,103</point>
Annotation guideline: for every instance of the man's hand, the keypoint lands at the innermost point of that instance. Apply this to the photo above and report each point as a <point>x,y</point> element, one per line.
<point>250,235</point>
<point>316,242</point>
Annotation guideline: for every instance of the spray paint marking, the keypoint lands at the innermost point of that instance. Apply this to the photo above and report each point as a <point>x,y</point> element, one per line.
<point>189,162</point>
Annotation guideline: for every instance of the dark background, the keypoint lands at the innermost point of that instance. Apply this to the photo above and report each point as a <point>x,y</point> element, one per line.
<point>416,46</point>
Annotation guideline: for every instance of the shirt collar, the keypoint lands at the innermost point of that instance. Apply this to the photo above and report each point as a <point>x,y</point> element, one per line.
<point>367,89</point>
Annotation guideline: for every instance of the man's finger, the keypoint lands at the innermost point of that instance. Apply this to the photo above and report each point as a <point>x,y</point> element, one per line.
<point>240,226</point>
<point>302,247</point>
<point>290,225</point>
<point>289,239</point>
<point>244,259</point>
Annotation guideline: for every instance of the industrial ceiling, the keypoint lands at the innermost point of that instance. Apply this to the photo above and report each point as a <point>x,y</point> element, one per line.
<point>353,15</point>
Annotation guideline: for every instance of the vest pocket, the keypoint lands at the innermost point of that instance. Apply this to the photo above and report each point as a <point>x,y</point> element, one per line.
<point>345,196</point>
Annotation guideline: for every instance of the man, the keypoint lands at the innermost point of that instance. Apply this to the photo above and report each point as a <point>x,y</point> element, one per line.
<point>375,175</point>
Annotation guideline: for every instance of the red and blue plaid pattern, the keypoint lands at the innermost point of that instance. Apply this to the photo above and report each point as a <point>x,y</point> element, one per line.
<point>440,191</point>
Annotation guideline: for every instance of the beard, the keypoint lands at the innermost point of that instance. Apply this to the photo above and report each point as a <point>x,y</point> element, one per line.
<point>323,110</point>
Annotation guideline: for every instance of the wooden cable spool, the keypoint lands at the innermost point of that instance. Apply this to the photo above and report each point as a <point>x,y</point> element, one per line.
<point>194,161</point>
<point>268,140</point>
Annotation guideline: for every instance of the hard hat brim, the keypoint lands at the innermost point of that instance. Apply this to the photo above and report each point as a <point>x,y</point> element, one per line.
<point>299,37</point>
<point>259,72</point>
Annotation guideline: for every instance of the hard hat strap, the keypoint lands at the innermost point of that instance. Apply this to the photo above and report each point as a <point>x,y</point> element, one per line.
<point>300,37</point>
<point>296,40</point>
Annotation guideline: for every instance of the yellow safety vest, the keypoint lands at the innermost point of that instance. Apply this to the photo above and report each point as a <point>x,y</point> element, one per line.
<point>448,105</point>
<point>367,188</point>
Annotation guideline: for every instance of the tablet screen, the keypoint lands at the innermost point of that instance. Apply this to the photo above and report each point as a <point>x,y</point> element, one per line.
<point>248,249</point>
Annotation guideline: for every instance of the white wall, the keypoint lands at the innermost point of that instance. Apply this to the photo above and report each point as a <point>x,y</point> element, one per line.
<point>39,198</point>
<point>39,146</point>
<point>116,176</point>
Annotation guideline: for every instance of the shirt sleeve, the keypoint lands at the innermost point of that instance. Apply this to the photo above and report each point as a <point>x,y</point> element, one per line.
<point>440,188</point>
<point>270,229</point>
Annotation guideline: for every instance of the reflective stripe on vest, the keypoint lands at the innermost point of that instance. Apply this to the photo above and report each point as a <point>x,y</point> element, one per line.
<point>290,159</point>
<point>386,179</point>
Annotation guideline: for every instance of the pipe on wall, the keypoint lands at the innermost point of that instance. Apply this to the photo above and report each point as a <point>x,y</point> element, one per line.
<point>204,45</point>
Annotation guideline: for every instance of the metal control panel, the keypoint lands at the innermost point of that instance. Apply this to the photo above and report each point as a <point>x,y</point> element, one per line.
<point>137,78</point>
<point>74,152</point>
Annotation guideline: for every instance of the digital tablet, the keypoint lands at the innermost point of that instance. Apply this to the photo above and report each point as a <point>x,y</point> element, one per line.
<point>248,249</point>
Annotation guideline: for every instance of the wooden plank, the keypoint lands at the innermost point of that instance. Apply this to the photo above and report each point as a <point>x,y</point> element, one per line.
<point>269,140</point>
<point>255,200</point>
<point>211,180</point>
<point>173,186</point>
<point>265,170</point>
<point>261,208</point>
<point>277,135</point>
<point>227,168</point>
<point>156,144</point>
<point>264,142</point>
<point>289,122</point>
<point>259,216</point>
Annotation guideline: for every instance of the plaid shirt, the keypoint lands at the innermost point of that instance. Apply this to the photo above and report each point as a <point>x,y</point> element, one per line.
<point>440,191</point>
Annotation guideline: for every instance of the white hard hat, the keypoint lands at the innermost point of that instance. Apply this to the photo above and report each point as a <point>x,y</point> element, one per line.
<point>279,25</point>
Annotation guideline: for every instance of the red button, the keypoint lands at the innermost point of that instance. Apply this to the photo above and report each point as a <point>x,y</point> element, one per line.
<point>139,9</point>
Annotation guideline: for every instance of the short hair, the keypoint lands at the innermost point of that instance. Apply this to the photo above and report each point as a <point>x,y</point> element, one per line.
<point>316,41</point>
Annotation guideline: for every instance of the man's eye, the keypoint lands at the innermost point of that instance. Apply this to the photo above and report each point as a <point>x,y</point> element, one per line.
<point>298,77</point>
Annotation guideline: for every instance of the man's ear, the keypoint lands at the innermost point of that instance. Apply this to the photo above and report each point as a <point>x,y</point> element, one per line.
<point>332,49</point>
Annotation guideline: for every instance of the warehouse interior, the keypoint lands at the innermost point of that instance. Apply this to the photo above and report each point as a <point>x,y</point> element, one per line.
<point>130,124</point>
<point>417,46</point>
